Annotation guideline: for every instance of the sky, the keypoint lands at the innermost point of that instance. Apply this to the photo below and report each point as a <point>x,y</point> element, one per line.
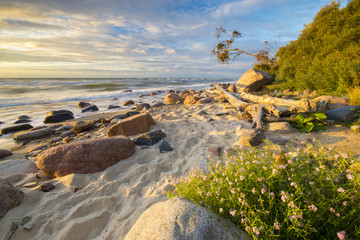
<point>140,38</point>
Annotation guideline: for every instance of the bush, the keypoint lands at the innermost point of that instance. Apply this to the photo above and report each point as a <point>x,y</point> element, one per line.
<point>354,95</point>
<point>326,55</point>
<point>312,193</point>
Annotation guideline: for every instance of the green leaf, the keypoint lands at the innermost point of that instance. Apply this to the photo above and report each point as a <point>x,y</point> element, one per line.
<point>307,128</point>
<point>319,116</point>
<point>308,119</point>
<point>319,127</point>
<point>300,118</point>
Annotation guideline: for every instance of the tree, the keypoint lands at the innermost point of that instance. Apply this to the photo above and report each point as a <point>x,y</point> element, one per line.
<point>266,60</point>
<point>326,55</point>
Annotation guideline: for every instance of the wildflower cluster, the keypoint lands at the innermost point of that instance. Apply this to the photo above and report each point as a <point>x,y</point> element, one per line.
<point>308,194</point>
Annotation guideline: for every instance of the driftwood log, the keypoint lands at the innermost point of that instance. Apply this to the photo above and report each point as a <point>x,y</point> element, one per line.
<point>259,106</point>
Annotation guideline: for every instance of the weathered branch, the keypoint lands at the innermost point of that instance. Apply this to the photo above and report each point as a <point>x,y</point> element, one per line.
<point>302,105</point>
<point>236,102</point>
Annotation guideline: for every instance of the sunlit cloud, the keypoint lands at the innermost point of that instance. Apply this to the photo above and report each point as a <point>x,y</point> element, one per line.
<point>69,38</point>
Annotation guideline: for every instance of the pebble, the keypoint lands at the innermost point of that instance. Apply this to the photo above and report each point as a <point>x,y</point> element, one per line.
<point>75,189</point>
<point>164,147</point>
<point>47,187</point>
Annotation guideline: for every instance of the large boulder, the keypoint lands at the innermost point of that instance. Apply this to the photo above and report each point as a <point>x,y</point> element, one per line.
<point>252,80</point>
<point>133,125</point>
<point>88,156</point>
<point>10,197</point>
<point>15,128</point>
<point>177,219</point>
<point>345,114</point>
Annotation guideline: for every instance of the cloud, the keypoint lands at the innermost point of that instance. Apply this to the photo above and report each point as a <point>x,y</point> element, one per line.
<point>141,35</point>
<point>13,24</point>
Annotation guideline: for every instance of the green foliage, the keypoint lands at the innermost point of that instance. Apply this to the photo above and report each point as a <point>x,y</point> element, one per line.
<point>326,56</point>
<point>354,95</point>
<point>313,122</point>
<point>312,193</point>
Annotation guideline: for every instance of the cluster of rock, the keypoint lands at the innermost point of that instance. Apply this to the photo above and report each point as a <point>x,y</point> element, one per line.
<point>69,150</point>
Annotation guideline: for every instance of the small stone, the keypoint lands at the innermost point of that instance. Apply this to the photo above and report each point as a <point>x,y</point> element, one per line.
<point>190,100</point>
<point>252,137</point>
<point>132,113</point>
<point>47,187</point>
<point>92,108</point>
<point>280,127</point>
<point>67,133</point>
<point>68,139</point>
<point>64,128</point>
<point>82,126</point>
<point>279,140</point>
<point>127,91</point>
<point>76,189</point>
<point>222,114</point>
<point>205,100</point>
<point>133,125</point>
<point>113,106</point>
<point>149,138</point>
<point>129,102</point>
<point>173,98</point>
<point>141,106</point>
<point>164,147</point>
<point>4,153</point>
<point>158,104</point>
<point>15,128</point>
<point>202,112</point>
<point>216,150</point>
<point>58,116</point>
<point>83,104</point>
<point>23,117</point>
<point>18,121</point>
<point>31,135</point>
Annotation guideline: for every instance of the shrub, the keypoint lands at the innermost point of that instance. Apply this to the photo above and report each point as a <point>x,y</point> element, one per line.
<point>313,122</point>
<point>326,54</point>
<point>354,95</point>
<point>312,193</point>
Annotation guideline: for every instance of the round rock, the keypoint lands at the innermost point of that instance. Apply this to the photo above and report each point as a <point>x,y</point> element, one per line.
<point>87,156</point>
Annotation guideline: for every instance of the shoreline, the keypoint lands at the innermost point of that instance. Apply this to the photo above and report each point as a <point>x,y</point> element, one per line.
<point>109,202</point>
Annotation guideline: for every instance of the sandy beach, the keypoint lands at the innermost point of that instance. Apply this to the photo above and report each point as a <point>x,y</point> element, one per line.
<point>109,202</point>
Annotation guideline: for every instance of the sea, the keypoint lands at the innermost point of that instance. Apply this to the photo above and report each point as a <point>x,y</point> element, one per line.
<point>35,97</point>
